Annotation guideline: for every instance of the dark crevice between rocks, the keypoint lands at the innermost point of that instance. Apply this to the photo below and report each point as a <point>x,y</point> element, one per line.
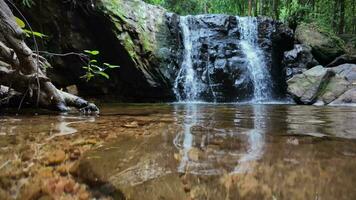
<point>282,40</point>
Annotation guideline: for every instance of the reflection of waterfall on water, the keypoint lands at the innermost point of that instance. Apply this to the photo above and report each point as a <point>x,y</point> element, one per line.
<point>256,63</point>
<point>256,141</point>
<point>209,145</point>
<point>186,73</point>
<point>190,119</point>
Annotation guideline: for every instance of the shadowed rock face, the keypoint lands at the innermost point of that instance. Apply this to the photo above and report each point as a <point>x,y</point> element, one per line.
<point>298,60</point>
<point>130,33</point>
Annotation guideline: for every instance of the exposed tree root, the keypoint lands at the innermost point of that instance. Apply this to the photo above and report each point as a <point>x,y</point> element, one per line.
<point>24,71</point>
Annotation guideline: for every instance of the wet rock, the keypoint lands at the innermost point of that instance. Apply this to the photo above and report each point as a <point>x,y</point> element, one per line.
<point>298,60</point>
<point>350,59</point>
<point>123,171</point>
<point>346,70</point>
<point>133,124</point>
<point>46,172</point>
<point>304,87</point>
<point>56,157</point>
<point>219,61</point>
<point>348,98</point>
<point>322,86</point>
<point>325,46</point>
<point>74,154</point>
<point>194,154</point>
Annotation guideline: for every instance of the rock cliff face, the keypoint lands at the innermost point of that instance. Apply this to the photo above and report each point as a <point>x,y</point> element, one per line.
<point>130,33</point>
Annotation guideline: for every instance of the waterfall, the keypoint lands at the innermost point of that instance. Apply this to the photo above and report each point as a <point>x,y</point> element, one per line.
<point>222,60</point>
<point>256,63</point>
<point>186,74</point>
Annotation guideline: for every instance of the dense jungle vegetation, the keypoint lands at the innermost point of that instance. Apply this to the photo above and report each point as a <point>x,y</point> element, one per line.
<point>336,15</point>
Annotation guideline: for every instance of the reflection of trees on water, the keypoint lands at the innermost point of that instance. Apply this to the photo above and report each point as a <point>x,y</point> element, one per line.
<point>215,139</point>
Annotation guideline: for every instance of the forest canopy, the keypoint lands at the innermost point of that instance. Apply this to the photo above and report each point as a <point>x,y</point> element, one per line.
<point>336,15</point>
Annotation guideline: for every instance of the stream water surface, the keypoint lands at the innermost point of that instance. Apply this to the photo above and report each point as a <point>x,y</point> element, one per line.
<point>211,151</point>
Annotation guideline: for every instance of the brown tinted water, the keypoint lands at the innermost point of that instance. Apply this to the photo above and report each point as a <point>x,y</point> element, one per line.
<point>197,151</point>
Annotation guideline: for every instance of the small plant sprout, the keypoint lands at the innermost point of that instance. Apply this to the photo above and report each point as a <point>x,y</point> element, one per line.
<point>93,68</point>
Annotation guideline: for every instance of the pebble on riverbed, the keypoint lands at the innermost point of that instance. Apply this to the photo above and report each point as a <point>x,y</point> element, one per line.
<point>55,158</point>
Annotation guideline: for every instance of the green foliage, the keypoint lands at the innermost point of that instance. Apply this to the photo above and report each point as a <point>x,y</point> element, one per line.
<point>295,13</point>
<point>28,3</point>
<point>28,33</point>
<point>328,14</point>
<point>93,68</point>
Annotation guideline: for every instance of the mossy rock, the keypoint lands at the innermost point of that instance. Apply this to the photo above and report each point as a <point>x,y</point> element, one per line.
<point>326,46</point>
<point>143,31</point>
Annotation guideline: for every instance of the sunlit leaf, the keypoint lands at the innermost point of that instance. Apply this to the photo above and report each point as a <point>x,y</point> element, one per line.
<point>103,74</point>
<point>20,23</point>
<point>94,52</point>
<point>111,66</point>
<point>34,33</point>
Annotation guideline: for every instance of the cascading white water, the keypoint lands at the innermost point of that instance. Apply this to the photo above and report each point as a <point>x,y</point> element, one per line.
<point>186,73</point>
<point>255,59</point>
<point>193,82</point>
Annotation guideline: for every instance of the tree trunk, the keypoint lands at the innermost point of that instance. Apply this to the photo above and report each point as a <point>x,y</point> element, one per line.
<point>275,9</point>
<point>249,7</point>
<point>342,17</point>
<point>22,70</point>
<point>353,21</point>
<point>255,7</point>
<point>336,11</point>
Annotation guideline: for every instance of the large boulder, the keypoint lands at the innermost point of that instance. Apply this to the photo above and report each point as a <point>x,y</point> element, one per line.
<point>325,46</point>
<point>130,33</point>
<point>298,60</point>
<point>322,86</point>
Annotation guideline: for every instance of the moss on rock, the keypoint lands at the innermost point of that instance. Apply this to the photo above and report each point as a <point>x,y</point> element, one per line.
<point>326,46</point>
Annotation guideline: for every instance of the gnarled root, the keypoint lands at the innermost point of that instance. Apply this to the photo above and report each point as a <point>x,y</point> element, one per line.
<point>24,71</point>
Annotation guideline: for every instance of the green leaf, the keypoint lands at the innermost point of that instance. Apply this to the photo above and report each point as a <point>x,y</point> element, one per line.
<point>20,22</point>
<point>114,66</point>
<point>111,66</point>
<point>94,52</point>
<point>97,67</point>
<point>103,74</point>
<point>37,34</point>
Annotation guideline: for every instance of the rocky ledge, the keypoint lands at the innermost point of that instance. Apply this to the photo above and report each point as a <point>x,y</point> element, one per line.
<point>325,86</point>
